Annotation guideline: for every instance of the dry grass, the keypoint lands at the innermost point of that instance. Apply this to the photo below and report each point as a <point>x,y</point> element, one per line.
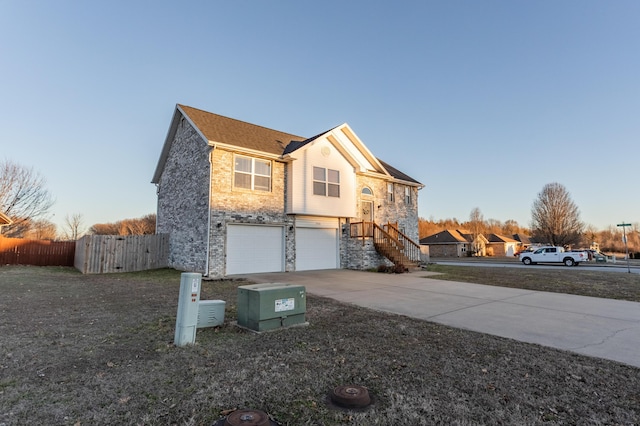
<point>558,279</point>
<point>94,350</point>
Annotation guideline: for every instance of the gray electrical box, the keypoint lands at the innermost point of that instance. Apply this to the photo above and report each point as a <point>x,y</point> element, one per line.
<point>210,313</point>
<point>269,306</point>
<point>187,316</point>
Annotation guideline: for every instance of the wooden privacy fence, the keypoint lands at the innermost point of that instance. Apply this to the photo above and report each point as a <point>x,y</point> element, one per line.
<point>97,254</point>
<point>19,251</point>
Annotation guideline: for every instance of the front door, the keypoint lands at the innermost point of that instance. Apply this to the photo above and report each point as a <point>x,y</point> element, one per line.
<point>366,214</point>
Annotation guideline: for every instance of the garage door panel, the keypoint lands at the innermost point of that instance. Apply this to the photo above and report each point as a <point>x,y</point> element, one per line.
<point>316,248</point>
<point>254,248</point>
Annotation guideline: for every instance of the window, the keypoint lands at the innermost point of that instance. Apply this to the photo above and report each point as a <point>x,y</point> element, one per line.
<point>407,195</point>
<point>326,182</point>
<point>252,173</point>
<point>390,192</point>
<point>367,191</point>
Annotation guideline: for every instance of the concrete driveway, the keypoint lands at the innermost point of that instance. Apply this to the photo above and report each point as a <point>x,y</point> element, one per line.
<point>591,326</point>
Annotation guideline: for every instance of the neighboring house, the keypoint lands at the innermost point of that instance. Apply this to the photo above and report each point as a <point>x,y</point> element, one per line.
<point>525,241</point>
<point>239,198</point>
<point>4,220</point>
<point>499,245</point>
<point>455,243</point>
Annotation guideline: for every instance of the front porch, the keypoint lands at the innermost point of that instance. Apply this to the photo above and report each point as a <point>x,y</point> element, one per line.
<point>397,249</point>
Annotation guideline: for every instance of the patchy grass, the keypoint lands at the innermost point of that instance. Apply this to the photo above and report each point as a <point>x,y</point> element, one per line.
<point>560,279</point>
<point>97,350</point>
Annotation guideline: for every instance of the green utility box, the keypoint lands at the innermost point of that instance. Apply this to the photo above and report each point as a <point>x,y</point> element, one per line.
<point>270,306</point>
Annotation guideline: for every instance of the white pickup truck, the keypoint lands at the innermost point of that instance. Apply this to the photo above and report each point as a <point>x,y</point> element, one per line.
<point>550,254</point>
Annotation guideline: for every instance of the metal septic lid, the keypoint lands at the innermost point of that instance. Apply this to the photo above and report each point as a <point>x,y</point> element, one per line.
<point>247,418</point>
<point>351,396</point>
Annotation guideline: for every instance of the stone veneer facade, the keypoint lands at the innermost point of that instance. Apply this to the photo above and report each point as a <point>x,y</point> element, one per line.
<point>358,253</point>
<point>182,208</point>
<point>183,190</point>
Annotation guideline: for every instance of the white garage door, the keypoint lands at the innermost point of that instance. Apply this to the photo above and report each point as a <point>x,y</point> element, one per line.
<point>254,248</point>
<point>316,248</point>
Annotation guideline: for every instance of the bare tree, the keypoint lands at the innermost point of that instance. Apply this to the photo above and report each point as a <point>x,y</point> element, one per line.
<point>140,226</point>
<point>73,227</point>
<point>41,229</point>
<point>477,227</point>
<point>555,218</point>
<point>23,197</point>
<point>510,227</point>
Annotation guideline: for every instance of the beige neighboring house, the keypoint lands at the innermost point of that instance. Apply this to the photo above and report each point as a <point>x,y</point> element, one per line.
<point>455,243</point>
<point>4,220</point>
<point>239,198</point>
<point>500,245</point>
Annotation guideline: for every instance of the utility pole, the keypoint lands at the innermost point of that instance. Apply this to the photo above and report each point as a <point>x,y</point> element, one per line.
<point>624,238</point>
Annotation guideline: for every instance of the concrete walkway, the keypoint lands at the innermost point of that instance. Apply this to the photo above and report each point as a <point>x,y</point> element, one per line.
<point>591,326</point>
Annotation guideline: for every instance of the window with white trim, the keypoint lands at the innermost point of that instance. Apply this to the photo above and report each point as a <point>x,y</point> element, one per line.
<point>252,173</point>
<point>407,195</point>
<point>390,196</point>
<point>326,182</point>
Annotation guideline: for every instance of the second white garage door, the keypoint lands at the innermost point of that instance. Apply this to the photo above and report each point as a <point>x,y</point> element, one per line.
<point>254,248</point>
<point>316,248</point>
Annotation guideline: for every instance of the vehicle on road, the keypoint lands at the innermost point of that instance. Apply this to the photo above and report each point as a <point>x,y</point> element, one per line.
<point>597,256</point>
<point>552,254</point>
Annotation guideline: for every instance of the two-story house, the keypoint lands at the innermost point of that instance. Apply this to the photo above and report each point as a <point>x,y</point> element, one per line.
<point>239,198</point>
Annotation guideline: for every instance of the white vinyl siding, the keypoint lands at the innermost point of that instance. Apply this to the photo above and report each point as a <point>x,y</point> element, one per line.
<point>300,185</point>
<point>326,182</point>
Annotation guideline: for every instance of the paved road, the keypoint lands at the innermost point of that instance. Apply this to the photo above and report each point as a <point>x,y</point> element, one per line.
<point>591,326</point>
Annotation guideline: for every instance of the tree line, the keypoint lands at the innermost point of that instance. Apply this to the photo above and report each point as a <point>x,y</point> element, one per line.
<point>25,199</point>
<point>555,219</point>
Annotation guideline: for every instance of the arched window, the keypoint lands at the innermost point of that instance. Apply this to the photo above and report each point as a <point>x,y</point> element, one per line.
<point>367,191</point>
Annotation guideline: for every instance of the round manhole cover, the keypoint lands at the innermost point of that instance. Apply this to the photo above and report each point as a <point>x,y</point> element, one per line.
<point>351,396</point>
<point>248,418</point>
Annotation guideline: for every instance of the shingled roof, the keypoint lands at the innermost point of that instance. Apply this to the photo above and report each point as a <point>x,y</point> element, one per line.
<point>217,128</point>
<point>448,236</point>
<point>397,173</point>
<point>495,238</point>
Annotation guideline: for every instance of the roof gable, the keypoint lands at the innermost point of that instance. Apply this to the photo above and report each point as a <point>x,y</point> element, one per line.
<point>448,236</point>
<point>495,238</point>
<point>221,131</point>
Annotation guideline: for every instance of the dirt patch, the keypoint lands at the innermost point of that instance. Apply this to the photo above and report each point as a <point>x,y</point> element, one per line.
<point>82,350</point>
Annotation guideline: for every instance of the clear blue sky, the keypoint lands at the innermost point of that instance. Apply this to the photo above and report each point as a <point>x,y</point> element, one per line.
<point>484,102</point>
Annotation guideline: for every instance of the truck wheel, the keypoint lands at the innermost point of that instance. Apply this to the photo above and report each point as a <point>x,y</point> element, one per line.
<point>526,261</point>
<point>569,261</point>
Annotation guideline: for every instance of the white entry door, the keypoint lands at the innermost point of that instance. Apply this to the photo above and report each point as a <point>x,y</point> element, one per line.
<point>254,248</point>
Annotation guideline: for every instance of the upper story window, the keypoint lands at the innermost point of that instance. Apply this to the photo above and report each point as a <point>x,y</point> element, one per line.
<point>390,196</point>
<point>326,182</point>
<point>252,173</point>
<point>407,195</point>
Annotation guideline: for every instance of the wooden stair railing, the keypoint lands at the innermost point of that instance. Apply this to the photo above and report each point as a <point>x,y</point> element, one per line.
<point>389,242</point>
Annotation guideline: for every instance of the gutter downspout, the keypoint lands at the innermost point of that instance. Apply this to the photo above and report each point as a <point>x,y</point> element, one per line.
<point>206,264</point>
